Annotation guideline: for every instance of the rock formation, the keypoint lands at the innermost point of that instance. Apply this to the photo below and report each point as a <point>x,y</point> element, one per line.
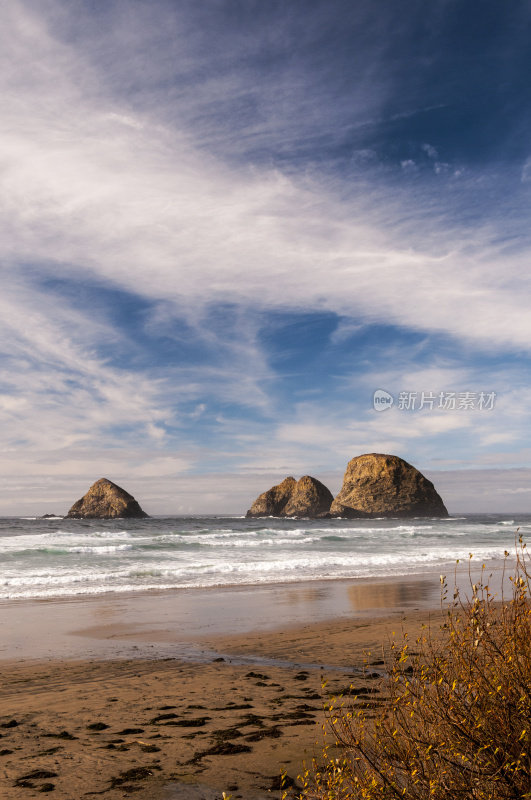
<point>385,485</point>
<point>106,500</point>
<point>307,497</point>
<point>273,502</point>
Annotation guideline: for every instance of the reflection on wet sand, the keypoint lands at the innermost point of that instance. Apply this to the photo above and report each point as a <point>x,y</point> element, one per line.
<point>389,596</point>
<point>306,594</point>
<point>338,598</point>
<point>129,626</point>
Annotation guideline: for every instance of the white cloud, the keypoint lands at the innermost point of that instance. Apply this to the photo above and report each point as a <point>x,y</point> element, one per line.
<point>430,151</point>
<point>345,329</point>
<point>483,490</point>
<point>499,437</point>
<point>57,391</point>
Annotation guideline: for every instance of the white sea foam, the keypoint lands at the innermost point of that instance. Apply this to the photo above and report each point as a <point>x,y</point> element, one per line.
<point>98,549</point>
<point>86,557</point>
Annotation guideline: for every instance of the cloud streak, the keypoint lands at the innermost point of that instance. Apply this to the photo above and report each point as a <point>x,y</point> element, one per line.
<point>89,186</point>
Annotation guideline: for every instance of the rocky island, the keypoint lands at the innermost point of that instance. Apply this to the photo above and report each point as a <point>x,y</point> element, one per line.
<point>106,500</point>
<point>374,485</point>
<point>306,497</point>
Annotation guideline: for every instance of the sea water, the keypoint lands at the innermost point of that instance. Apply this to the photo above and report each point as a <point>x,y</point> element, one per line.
<point>48,558</point>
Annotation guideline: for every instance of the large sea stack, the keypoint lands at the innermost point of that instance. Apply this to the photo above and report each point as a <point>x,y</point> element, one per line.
<point>382,485</point>
<point>306,497</point>
<point>106,500</point>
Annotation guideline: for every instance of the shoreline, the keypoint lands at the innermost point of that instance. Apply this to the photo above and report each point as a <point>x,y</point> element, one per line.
<point>176,623</point>
<point>47,562</point>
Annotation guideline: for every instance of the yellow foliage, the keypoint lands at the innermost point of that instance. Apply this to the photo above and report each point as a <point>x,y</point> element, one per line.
<point>456,721</point>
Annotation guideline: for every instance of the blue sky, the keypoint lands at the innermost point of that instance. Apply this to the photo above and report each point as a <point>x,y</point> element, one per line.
<point>225,224</point>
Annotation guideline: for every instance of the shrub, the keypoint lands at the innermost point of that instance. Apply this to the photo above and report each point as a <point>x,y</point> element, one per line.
<point>457,719</point>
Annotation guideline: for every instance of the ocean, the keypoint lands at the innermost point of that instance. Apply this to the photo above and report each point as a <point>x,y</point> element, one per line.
<point>53,558</point>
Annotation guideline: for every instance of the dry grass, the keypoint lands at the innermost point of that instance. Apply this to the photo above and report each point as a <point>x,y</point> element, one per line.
<point>457,721</point>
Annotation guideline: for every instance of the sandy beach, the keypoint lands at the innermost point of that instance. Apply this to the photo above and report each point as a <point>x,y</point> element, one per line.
<point>95,703</point>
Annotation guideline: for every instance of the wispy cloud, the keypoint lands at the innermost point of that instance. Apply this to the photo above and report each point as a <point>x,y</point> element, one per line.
<point>138,205</point>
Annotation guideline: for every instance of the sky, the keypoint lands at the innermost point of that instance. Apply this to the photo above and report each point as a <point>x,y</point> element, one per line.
<point>224,225</point>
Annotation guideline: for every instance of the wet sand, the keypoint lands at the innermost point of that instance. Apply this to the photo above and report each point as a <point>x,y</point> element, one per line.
<point>190,715</point>
<point>171,623</point>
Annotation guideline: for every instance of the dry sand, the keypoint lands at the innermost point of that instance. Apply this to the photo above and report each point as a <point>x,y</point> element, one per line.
<point>155,729</point>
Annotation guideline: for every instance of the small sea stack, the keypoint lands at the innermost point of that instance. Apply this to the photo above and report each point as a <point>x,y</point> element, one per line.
<point>306,497</point>
<point>106,500</point>
<point>376,484</point>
